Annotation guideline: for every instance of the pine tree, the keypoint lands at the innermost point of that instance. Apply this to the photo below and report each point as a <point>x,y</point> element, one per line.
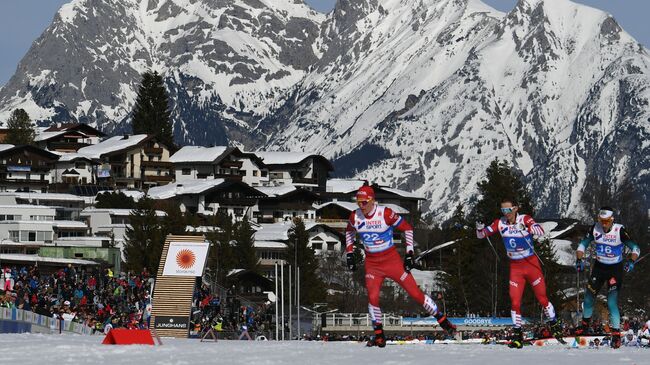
<point>501,182</point>
<point>117,200</point>
<point>19,129</point>
<point>222,258</point>
<point>145,238</point>
<point>151,113</point>
<point>244,248</point>
<point>312,288</point>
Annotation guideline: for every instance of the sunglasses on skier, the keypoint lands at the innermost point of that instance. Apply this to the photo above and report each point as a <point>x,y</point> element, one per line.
<point>363,203</point>
<point>507,210</point>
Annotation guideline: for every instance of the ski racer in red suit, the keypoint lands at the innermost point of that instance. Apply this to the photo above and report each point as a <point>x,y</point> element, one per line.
<point>374,224</point>
<point>517,232</point>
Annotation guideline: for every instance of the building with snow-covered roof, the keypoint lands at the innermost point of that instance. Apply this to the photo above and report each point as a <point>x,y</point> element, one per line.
<point>35,225</point>
<point>271,242</point>
<point>285,202</point>
<point>67,206</point>
<point>131,161</point>
<point>196,162</point>
<point>298,168</point>
<point>210,196</point>
<point>75,169</point>
<point>68,137</point>
<point>26,168</point>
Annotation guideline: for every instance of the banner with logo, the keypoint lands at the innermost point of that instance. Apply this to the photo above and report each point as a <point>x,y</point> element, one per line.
<point>468,321</point>
<point>186,258</point>
<point>172,322</point>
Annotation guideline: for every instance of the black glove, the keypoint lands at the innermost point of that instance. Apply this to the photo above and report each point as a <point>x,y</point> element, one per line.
<point>409,262</point>
<point>351,262</point>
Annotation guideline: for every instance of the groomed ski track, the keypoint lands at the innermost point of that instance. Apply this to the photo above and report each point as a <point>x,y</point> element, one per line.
<point>37,349</point>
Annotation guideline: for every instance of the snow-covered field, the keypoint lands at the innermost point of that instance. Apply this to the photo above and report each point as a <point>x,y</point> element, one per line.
<point>27,349</point>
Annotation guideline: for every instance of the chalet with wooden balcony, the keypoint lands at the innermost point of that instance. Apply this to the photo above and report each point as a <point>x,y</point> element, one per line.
<point>271,242</point>
<point>285,202</point>
<point>25,168</point>
<point>75,169</point>
<point>131,161</point>
<point>196,162</point>
<point>210,196</point>
<point>309,171</point>
<point>68,138</point>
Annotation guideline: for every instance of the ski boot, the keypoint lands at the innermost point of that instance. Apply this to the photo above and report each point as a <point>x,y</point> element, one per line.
<point>584,327</point>
<point>557,331</point>
<point>448,327</point>
<point>616,338</point>
<point>379,339</point>
<point>517,339</point>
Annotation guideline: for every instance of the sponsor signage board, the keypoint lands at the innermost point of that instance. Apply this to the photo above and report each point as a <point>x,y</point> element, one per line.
<point>172,322</point>
<point>14,168</point>
<point>186,258</point>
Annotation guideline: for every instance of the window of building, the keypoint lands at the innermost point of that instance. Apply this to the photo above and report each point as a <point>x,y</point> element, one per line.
<point>80,165</point>
<point>14,236</point>
<point>317,245</point>
<point>331,245</point>
<point>186,171</point>
<point>264,173</point>
<point>254,172</point>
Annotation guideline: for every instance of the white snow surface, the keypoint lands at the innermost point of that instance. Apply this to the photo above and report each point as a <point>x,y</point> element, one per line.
<point>37,349</point>
<point>276,158</point>
<point>197,154</point>
<point>112,144</point>
<point>183,187</point>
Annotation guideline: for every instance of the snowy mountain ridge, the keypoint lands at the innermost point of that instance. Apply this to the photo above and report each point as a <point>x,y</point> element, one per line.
<point>418,94</point>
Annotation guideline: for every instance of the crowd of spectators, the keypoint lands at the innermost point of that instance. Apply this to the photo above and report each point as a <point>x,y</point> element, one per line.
<point>98,299</point>
<point>230,317</point>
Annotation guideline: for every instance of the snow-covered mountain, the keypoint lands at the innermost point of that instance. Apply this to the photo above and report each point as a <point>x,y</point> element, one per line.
<point>420,94</point>
<point>223,62</point>
<point>430,91</point>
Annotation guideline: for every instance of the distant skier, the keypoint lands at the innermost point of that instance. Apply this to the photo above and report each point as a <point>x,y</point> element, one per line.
<point>374,224</point>
<point>610,239</point>
<point>517,232</point>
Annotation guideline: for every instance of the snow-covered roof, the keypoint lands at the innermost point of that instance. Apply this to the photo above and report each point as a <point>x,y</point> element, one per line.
<point>112,144</point>
<point>7,207</point>
<point>115,211</point>
<point>198,154</point>
<point>273,232</point>
<point>183,187</point>
<point>44,136</point>
<point>5,146</point>
<point>281,158</point>
<point>47,196</point>
<point>350,206</point>
<point>69,224</point>
<point>269,244</point>
<point>343,185</point>
<point>404,193</point>
<point>274,191</point>
<point>36,258</point>
<point>69,157</point>
<point>134,194</point>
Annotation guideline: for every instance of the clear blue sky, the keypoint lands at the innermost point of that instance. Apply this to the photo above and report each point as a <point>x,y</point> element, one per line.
<point>22,21</point>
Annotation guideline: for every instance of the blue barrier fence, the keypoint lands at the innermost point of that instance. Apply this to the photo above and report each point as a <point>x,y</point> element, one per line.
<point>13,320</point>
<point>470,322</point>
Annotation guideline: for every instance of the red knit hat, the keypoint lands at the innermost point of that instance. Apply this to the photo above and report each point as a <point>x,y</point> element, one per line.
<point>365,193</point>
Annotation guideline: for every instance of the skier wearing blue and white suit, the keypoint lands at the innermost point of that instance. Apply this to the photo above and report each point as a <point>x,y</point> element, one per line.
<point>610,239</point>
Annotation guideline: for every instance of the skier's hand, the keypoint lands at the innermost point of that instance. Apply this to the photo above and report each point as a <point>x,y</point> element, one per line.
<point>629,266</point>
<point>350,261</point>
<point>480,226</point>
<point>580,265</point>
<point>409,262</point>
